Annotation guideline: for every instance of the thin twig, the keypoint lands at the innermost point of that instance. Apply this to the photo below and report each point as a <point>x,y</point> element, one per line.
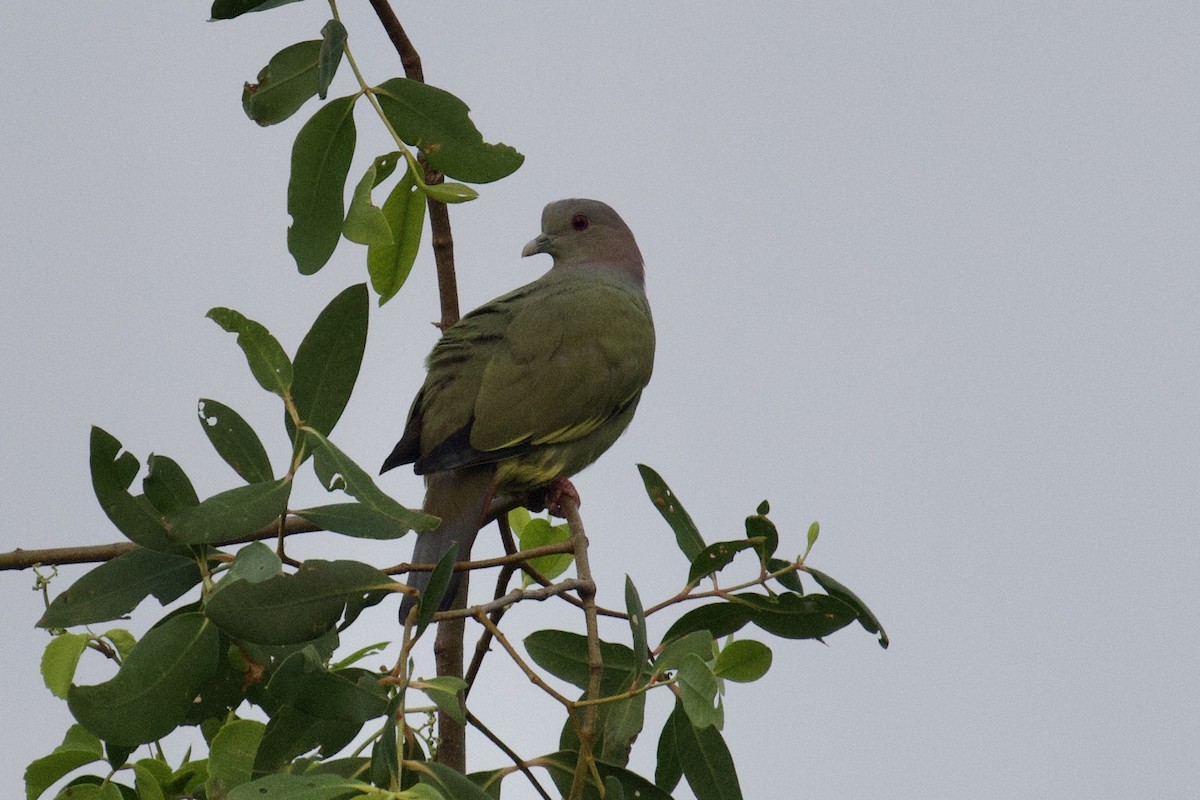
<point>508,751</point>
<point>587,593</point>
<point>484,563</point>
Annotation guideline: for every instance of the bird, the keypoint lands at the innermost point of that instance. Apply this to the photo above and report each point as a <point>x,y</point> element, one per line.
<point>532,387</point>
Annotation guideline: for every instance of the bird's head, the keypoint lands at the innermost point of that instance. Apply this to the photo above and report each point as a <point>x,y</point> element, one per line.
<point>586,234</point>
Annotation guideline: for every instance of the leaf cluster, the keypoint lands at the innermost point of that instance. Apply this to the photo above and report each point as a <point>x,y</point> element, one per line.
<point>246,627</point>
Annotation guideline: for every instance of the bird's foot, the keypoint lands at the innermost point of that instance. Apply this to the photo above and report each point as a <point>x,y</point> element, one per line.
<point>560,488</point>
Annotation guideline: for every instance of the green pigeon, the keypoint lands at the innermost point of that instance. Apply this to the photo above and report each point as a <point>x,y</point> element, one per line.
<point>535,385</point>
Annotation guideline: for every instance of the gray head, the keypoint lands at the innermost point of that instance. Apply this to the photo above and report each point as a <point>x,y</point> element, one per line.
<point>587,233</point>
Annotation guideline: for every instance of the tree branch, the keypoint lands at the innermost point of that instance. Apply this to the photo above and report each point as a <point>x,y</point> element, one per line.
<point>24,559</point>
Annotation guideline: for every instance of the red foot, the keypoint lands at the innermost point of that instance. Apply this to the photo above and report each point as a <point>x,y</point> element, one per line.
<point>561,487</point>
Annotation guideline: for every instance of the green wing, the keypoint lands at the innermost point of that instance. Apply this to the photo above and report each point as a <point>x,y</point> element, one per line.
<point>542,366</point>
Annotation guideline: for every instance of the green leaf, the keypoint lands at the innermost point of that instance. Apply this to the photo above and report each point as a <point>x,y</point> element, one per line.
<point>256,562</point>
<point>333,45</point>
<point>337,471</point>
<point>235,441</point>
<point>438,123</point>
<point>613,789</point>
<point>759,527</point>
<point>667,770</point>
<point>561,766</point>
<point>637,627</point>
<point>814,531</point>
<point>290,609</point>
<point>439,582</point>
<point>115,588</point>
<point>686,535</point>
<point>536,533</point>
<point>147,782</point>
<point>153,691</point>
<point>865,618</point>
<point>450,193</point>
<point>354,519</point>
<point>699,643</point>
<point>450,782</point>
<point>268,362</point>
<point>743,661</point>
<point>231,755</point>
<point>365,222</point>
<point>705,759</point>
<point>618,724</point>
<point>446,693</point>
<point>113,470</point>
<point>790,580</point>
<point>167,487</point>
<point>121,639</point>
<point>720,619</point>
<point>59,661</point>
<point>93,787</point>
<point>715,557</point>
<point>793,616</point>
<point>359,655</point>
<point>351,695</point>
<point>328,360</point>
<point>320,162</point>
<point>288,80</point>
<point>79,747</point>
<point>564,655</point>
<point>764,508</point>
<point>309,786</point>
<point>232,514</point>
<point>228,9</point>
<point>698,691</point>
<point>389,263</point>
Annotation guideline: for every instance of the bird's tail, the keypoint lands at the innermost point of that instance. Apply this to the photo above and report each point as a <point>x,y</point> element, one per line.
<point>460,499</point>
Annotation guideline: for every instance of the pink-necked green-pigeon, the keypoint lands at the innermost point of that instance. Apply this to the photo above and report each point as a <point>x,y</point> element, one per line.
<point>533,386</point>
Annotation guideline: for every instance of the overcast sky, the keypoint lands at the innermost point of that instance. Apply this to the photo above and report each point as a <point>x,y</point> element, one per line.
<point>925,272</point>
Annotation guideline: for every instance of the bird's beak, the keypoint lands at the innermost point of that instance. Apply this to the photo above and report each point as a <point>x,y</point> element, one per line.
<point>539,245</point>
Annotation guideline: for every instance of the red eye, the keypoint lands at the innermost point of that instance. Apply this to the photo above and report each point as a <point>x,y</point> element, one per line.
<point>579,222</point>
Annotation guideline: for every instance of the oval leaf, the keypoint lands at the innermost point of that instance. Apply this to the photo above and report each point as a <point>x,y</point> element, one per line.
<point>329,358</point>
<point>235,441</point>
<point>269,364</point>
<point>354,519</point>
<point>320,162</point>
<point>686,535</point>
<point>705,758</point>
<point>232,514</point>
<point>333,46</point>
<point>154,689</point>
<point>744,660</point>
<point>365,222</point>
<point>167,487</point>
<point>438,123</point>
<point>288,80</point>
<point>793,616</point>
<point>115,588</point>
<point>390,264</point>
<point>720,619</point>
<point>865,617</point>
<point>715,557</point>
<point>290,609</point>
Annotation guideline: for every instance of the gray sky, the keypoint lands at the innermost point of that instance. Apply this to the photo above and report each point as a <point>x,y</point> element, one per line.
<point>924,272</point>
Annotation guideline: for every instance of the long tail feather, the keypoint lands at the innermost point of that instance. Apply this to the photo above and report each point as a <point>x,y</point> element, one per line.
<point>460,499</point>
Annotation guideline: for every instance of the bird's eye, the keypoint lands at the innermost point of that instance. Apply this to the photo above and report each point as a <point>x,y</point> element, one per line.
<point>579,222</point>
